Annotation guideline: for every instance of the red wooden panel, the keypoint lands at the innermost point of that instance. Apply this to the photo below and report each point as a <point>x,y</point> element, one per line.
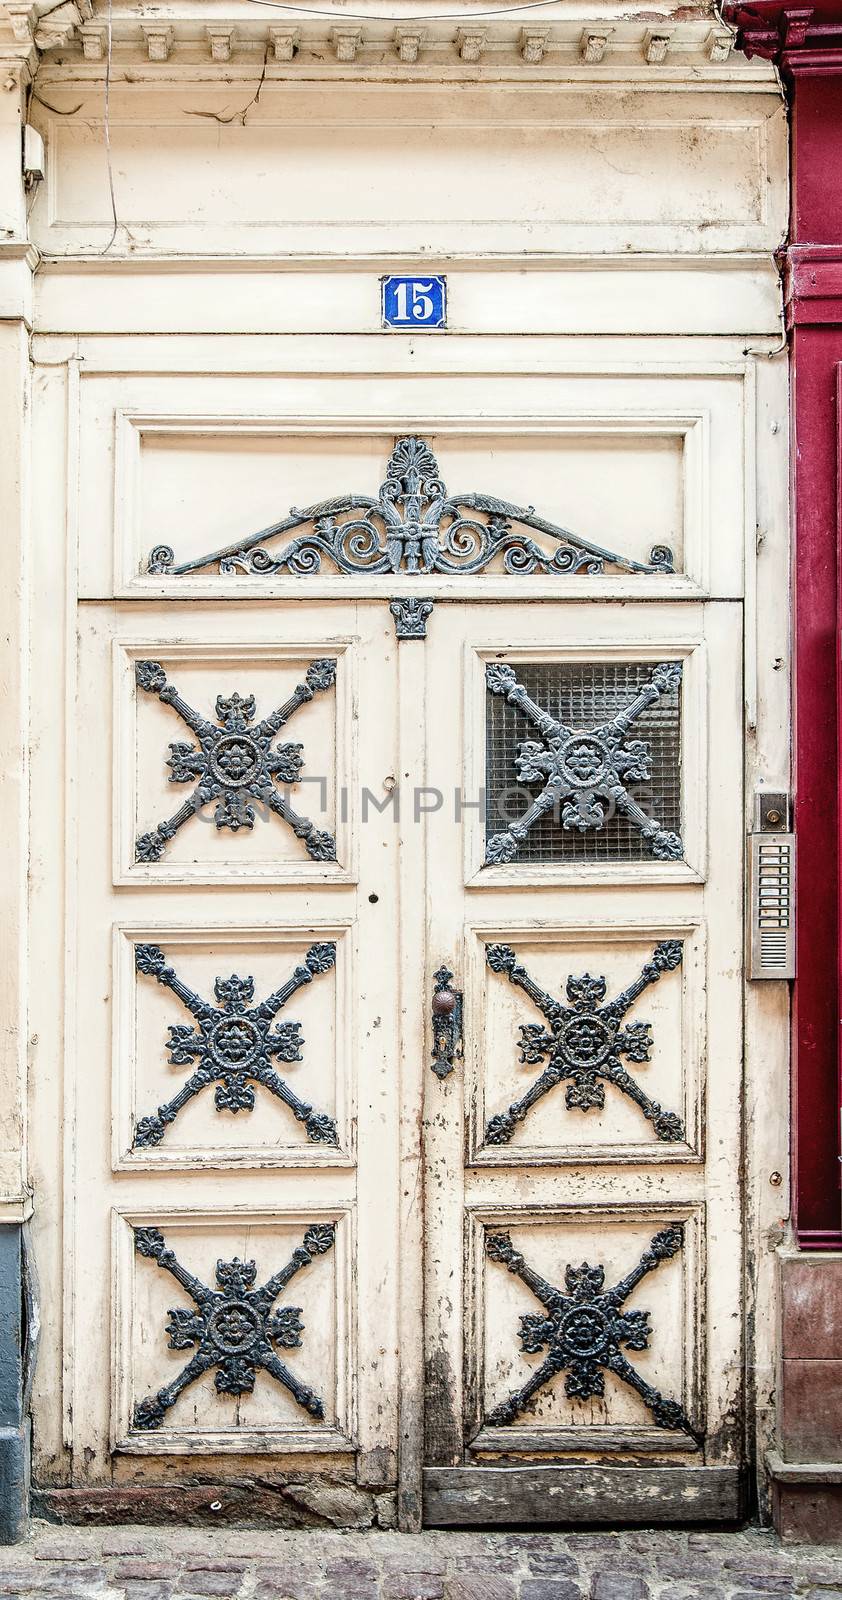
<point>815,629</point>
<point>806,43</point>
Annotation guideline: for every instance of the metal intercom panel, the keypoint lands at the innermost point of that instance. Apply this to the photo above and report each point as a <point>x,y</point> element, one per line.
<point>771,890</point>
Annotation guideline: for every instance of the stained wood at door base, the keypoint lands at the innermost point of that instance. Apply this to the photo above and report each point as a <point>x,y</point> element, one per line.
<point>302,1501</point>
<point>455,1496</point>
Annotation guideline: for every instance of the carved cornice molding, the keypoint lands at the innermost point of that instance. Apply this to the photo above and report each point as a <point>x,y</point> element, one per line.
<point>798,39</point>
<point>813,285</point>
<point>29,27</point>
<point>222,37</point>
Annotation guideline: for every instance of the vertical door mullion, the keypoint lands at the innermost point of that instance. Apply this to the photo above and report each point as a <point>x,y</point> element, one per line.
<point>412,898</point>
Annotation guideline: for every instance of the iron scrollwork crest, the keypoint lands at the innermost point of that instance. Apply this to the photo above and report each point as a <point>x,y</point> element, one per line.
<point>585,1042</point>
<point>583,771</point>
<point>411,525</point>
<point>235,763</point>
<point>233,1326</point>
<point>585,1330</point>
<point>234,1043</point>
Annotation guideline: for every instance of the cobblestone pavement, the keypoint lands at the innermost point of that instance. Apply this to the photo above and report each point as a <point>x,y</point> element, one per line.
<point>59,1563</point>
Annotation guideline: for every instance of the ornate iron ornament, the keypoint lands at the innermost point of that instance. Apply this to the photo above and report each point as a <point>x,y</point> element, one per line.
<point>234,1044</point>
<point>411,525</point>
<point>584,771</point>
<point>585,1042</point>
<point>584,1329</point>
<point>411,617</point>
<point>233,1326</point>
<point>235,762</point>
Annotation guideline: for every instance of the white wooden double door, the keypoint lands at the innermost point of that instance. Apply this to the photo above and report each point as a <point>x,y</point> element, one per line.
<point>292,1247</point>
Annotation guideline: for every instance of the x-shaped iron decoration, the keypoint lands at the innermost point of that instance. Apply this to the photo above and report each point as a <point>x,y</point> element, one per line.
<point>587,770</point>
<point>583,1329</point>
<point>233,1326</point>
<point>585,1042</point>
<point>235,763</point>
<point>234,1043</point>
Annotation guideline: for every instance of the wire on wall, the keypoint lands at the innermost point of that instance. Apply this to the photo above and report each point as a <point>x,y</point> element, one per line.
<point>107,130</point>
<point>339,14</point>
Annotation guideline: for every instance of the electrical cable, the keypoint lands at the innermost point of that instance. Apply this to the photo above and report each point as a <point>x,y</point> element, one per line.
<point>107,135</point>
<point>366,16</point>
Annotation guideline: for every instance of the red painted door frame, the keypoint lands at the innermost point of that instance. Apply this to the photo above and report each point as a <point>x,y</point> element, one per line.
<point>806,44</point>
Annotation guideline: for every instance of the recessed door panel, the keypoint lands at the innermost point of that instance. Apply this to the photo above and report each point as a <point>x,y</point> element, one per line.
<point>586,1043</point>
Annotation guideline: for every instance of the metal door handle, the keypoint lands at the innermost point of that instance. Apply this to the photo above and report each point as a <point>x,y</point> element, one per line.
<point>446,1011</point>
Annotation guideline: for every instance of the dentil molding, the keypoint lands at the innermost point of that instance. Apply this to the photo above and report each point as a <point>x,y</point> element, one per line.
<point>229,38</point>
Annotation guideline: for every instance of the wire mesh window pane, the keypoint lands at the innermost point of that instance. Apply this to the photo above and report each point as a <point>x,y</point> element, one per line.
<point>583,695</point>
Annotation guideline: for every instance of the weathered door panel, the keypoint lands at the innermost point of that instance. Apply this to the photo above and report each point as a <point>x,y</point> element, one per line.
<point>594,1118</point>
<point>234,1179</point>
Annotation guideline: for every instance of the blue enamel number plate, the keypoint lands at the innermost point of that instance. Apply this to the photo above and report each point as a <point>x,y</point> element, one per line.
<point>410,303</point>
